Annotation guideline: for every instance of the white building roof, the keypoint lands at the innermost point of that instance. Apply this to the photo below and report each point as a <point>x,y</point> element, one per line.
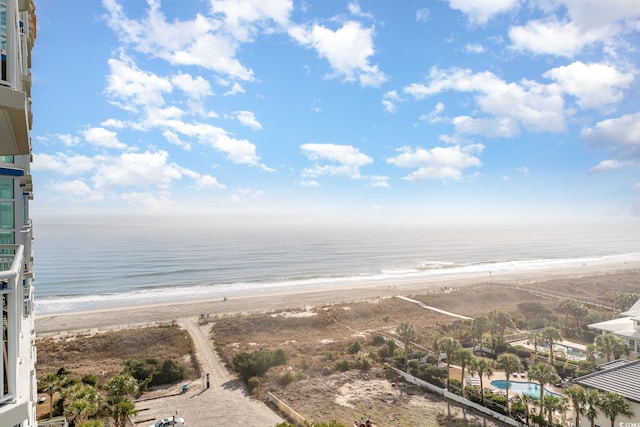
<point>633,311</point>
<point>622,326</point>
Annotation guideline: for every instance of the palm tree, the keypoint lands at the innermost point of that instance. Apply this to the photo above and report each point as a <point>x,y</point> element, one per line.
<point>120,409</point>
<point>81,402</point>
<point>536,339</point>
<point>464,357</point>
<point>551,335</point>
<point>407,333</point>
<point>552,403</point>
<point>544,374</point>
<point>481,366</point>
<point>577,396</point>
<point>510,364</point>
<point>612,404</point>
<point>499,320</point>
<point>51,384</point>
<point>610,345</point>
<point>478,327</point>
<point>449,346</point>
<point>119,406</point>
<point>121,385</point>
<point>592,404</point>
<point>591,351</point>
<point>525,399</point>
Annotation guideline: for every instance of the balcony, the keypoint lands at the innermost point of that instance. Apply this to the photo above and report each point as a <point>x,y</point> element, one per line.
<point>14,122</point>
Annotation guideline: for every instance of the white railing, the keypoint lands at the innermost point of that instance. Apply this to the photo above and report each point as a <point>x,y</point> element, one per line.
<point>11,264</point>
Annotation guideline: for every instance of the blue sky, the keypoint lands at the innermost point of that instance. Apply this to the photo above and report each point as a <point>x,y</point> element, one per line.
<point>441,111</point>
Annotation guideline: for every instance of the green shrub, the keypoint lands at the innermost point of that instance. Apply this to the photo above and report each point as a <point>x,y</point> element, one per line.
<point>354,348</point>
<point>383,352</point>
<point>257,363</point>
<point>363,363</point>
<point>342,365</point>
<point>377,340</point>
<point>89,379</point>
<point>286,378</point>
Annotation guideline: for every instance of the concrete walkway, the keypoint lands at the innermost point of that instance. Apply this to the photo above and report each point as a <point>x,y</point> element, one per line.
<point>223,404</point>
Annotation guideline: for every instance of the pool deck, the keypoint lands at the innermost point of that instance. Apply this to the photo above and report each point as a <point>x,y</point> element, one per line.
<point>581,347</point>
<point>499,375</point>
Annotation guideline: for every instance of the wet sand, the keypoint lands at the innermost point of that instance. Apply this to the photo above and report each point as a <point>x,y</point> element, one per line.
<point>286,298</point>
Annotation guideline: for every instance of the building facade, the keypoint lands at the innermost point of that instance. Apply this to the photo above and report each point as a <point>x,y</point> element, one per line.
<point>18,388</point>
<point>626,326</point>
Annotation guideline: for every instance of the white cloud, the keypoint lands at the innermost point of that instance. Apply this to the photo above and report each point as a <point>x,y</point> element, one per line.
<point>209,182</point>
<point>594,85</point>
<point>474,48</point>
<point>148,169</point>
<point>309,183</point>
<point>434,115</point>
<point>585,23</point>
<point>356,10</point>
<point>621,135</point>
<point>74,190</point>
<point>511,106</point>
<point>244,18</point>
<point>183,42</point>
<point>247,118</point>
<point>195,88</point>
<point>379,181</point>
<point>551,37</point>
<point>130,87</point>
<point>523,170</point>
<point>62,164</point>
<point>608,165</point>
<point>347,49</point>
<point>344,160</point>
<point>390,101</point>
<point>101,137</point>
<point>480,11</point>
<point>68,140</point>
<point>422,15</point>
<point>596,14</point>
<point>443,163</point>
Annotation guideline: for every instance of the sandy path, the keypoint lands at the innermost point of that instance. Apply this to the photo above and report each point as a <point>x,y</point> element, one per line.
<point>223,404</point>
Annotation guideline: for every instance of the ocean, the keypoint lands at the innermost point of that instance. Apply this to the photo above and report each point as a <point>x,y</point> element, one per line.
<point>82,267</point>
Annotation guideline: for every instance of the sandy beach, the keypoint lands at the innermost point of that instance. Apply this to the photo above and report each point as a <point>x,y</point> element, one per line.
<point>278,299</point>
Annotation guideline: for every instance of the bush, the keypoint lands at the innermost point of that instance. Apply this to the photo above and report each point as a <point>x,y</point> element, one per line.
<point>286,378</point>
<point>89,379</point>
<point>377,340</point>
<point>354,348</point>
<point>279,357</point>
<point>383,352</point>
<point>153,372</point>
<point>253,383</point>
<point>257,363</point>
<point>392,346</point>
<point>170,372</point>
<point>364,364</point>
<point>342,365</point>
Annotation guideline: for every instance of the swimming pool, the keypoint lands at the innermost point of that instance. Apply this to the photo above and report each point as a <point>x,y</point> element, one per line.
<point>532,389</point>
<point>567,350</point>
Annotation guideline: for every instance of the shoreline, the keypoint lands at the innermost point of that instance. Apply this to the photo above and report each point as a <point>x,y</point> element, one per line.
<point>106,318</point>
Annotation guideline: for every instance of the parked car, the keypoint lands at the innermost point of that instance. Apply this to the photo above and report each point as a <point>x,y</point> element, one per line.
<point>169,422</point>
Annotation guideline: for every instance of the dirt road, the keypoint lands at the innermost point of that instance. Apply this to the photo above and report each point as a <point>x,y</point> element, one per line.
<point>223,404</point>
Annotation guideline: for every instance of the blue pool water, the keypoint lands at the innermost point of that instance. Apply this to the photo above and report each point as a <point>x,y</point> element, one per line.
<point>532,389</point>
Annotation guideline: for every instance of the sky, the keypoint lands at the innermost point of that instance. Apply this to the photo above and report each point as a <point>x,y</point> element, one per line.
<point>433,110</point>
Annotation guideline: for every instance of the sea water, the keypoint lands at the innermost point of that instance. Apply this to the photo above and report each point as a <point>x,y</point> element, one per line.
<point>80,267</point>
